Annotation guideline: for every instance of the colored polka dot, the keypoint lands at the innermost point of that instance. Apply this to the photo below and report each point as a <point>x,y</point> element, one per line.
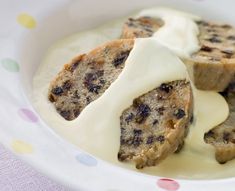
<point>86,160</point>
<point>168,184</point>
<point>26,21</point>
<point>27,115</point>
<point>21,147</point>
<point>10,65</point>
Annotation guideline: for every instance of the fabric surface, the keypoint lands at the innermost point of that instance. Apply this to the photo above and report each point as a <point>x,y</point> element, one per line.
<point>15,175</point>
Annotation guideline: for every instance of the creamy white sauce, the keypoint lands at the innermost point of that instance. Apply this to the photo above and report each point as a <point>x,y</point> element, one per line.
<point>100,136</point>
<point>179,32</point>
<point>144,70</point>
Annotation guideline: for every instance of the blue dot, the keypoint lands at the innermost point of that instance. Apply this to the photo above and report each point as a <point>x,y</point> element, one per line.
<point>86,160</point>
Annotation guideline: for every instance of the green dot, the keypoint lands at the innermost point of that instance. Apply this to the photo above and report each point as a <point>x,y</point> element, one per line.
<point>10,65</point>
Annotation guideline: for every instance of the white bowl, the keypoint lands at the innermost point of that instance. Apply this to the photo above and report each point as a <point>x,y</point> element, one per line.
<point>28,28</point>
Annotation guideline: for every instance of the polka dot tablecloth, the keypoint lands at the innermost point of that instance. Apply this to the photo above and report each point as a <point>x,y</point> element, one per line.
<point>16,175</point>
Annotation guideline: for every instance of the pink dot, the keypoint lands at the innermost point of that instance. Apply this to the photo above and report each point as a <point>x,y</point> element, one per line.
<point>168,184</point>
<point>27,115</point>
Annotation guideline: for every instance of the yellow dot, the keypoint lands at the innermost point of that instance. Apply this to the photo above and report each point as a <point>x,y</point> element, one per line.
<point>21,147</point>
<point>26,20</point>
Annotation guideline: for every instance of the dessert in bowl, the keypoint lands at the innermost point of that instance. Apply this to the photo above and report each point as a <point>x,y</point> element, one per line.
<point>166,89</point>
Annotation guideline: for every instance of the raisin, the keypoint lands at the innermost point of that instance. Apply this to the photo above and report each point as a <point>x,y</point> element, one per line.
<point>231,37</point>
<point>137,102</point>
<point>179,113</point>
<point>122,130</point>
<point>225,93</point>
<point>137,132</point>
<point>161,139</point>
<point>67,85</point>
<point>222,162</point>
<point>94,88</point>
<point>148,29</point>
<point>159,97</point>
<point>155,122</point>
<point>123,141</point>
<point>160,110</point>
<point>129,118</point>
<point>74,66</point>
<point>143,111</point>
<point>51,98</point>
<point>228,53</point>
<point>102,81</point>
<point>100,73</point>
<point>214,39</point>
<point>121,58</point>
<point>130,24</point>
<point>166,87</point>
<point>150,140</point>
<point>137,141</point>
<point>215,35</point>
<point>90,77</point>
<point>226,26</point>
<point>76,95</point>
<point>206,48</point>
<point>211,30</point>
<point>74,101</point>
<point>226,136</point>
<point>76,112</point>
<point>129,141</point>
<point>89,81</point>
<point>204,23</point>
<point>88,99</point>
<point>232,141</point>
<point>209,134</point>
<point>122,156</point>
<point>57,91</point>
<point>65,114</point>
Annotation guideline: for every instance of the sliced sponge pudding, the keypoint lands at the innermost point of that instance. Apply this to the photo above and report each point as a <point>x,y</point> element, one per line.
<point>222,137</point>
<point>155,125</point>
<point>87,76</point>
<point>151,129</point>
<point>213,66</point>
